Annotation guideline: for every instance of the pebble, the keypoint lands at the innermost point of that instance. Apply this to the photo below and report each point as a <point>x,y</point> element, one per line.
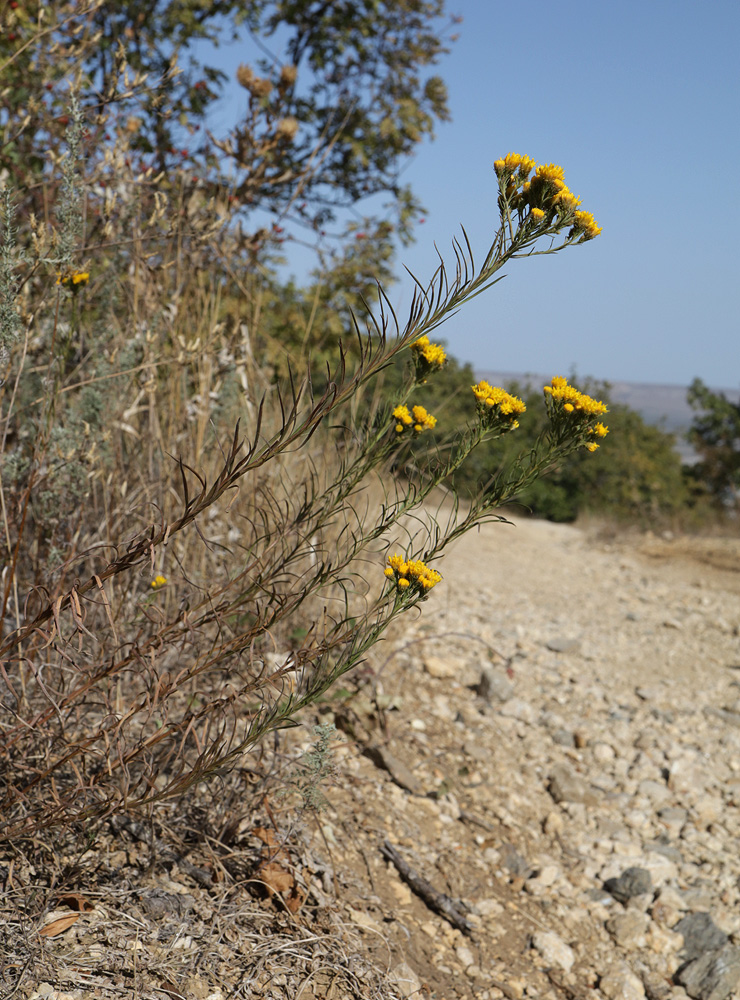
<point>494,685</point>
<point>566,786</point>
<point>441,667</point>
<point>621,984</point>
<point>554,951</point>
<point>632,882</point>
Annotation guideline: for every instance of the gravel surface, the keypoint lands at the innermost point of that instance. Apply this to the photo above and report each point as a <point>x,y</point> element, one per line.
<point>537,796</point>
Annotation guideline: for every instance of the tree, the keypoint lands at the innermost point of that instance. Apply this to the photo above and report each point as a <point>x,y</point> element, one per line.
<point>338,94</point>
<point>715,433</point>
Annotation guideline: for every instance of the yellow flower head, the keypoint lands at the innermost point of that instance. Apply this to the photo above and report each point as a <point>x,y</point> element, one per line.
<point>74,280</point>
<point>585,223</point>
<point>158,582</point>
<point>573,412</point>
<point>570,400</point>
<point>537,214</point>
<point>565,201</point>
<point>412,573</point>
<point>401,413</point>
<point>513,162</point>
<point>428,357</point>
<point>418,419</point>
<point>496,407</point>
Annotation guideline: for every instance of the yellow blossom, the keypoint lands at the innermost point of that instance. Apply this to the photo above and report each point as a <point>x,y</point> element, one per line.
<point>411,573</point>
<point>591,446</point>
<point>428,357</point>
<point>572,400</point>
<point>495,403</point>
<point>401,413</point>
<point>537,214</point>
<point>73,280</point>
<point>600,430</point>
<point>565,201</point>
<point>585,223</point>
<point>417,418</point>
<point>158,581</point>
<point>513,162</point>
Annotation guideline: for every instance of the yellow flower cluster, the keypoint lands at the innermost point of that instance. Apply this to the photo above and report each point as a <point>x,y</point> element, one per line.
<point>585,223</point>
<point>600,431</point>
<point>574,411</point>
<point>417,419</point>
<point>412,573</point>
<point>73,280</point>
<point>494,404</point>
<point>574,401</point>
<point>545,196</point>
<point>433,354</point>
<point>428,358</point>
<point>158,581</point>
<point>513,162</point>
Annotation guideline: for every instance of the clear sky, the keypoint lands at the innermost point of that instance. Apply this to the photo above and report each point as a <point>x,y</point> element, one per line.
<point>639,102</point>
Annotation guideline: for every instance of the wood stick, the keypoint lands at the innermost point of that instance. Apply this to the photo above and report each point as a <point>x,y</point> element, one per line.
<point>442,904</point>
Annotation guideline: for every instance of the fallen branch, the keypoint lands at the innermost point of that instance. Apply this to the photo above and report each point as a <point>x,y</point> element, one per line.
<point>442,904</point>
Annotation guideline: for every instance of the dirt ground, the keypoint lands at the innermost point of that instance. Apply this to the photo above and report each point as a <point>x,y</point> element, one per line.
<point>449,860</point>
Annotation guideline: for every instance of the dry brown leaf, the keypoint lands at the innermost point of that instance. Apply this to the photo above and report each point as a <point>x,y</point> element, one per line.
<point>59,925</point>
<point>296,899</point>
<point>275,877</point>
<point>76,902</point>
<point>266,835</point>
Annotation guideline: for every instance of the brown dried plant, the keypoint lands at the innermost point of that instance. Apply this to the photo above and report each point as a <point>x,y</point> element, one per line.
<point>175,515</point>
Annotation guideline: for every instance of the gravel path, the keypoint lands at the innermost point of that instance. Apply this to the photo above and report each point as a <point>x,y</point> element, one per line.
<point>561,758</point>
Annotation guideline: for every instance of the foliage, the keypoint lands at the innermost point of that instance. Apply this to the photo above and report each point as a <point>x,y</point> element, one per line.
<point>715,433</point>
<point>335,99</point>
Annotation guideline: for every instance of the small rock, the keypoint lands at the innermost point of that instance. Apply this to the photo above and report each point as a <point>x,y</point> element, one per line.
<point>408,983</point>
<point>632,882</point>
<point>621,984</point>
<point>441,667</point>
<point>518,709</point>
<point>554,951</point>
<point>512,860</point>
<point>629,929</point>
<point>603,753</point>
<point>494,685</point>
<point>563,645</point>
<point>402,775</point>
<point>566,786</point>
<point>700,935</point>
<point>713,976</point>
<point>465,956</point>
<point>673,819</point>
<point>655,791</point>
<point>564,738</point>
<point>487,908</point>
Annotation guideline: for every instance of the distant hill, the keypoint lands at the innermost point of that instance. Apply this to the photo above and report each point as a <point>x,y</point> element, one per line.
<point>662,405</point>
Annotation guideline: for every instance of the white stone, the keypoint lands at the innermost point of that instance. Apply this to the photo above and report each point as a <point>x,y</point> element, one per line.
<point>520,710</point>
<point>553,950</point>
<point>621,984</point>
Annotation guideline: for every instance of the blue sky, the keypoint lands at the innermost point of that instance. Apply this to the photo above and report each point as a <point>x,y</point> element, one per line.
<point>639,103</point>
